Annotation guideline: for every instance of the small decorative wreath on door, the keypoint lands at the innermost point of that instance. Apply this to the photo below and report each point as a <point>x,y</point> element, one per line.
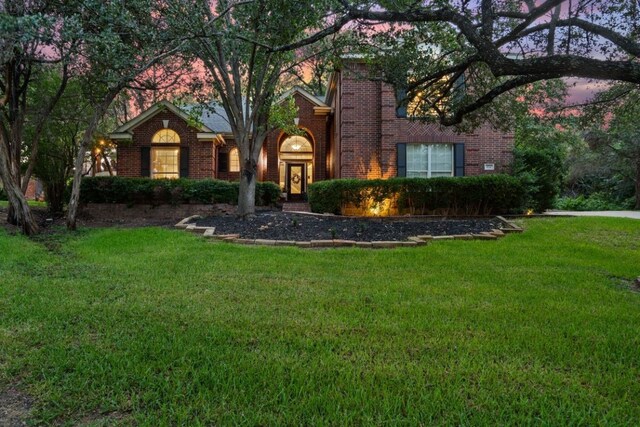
<point>296,179</point>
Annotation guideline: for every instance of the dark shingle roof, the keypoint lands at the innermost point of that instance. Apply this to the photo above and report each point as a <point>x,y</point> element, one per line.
<point>215,118</point>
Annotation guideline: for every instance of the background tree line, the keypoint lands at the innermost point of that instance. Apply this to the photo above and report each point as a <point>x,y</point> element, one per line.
<point>501,53</point>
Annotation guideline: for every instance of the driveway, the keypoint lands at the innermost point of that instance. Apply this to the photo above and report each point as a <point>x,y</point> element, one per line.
<point>613,214</point>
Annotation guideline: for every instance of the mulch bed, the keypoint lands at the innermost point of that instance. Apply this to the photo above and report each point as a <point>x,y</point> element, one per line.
<point>292,226</point>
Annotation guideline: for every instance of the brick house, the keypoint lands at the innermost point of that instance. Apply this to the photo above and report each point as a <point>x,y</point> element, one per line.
<point>353,132</point>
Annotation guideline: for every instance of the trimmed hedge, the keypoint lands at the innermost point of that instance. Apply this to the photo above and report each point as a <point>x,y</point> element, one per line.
<point>170,191</point>
<point>472,195</point>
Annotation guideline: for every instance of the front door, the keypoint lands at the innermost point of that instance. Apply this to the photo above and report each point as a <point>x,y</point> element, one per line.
<point>296,182</point>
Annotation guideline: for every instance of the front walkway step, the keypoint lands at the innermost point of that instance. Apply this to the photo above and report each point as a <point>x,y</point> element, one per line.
<point>295,207</point>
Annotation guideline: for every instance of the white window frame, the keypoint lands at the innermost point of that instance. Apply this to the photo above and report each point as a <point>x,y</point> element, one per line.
<point>165,175</point>
<point>430,170</point>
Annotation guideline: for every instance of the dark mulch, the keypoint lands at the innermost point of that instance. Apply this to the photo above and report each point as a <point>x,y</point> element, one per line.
<point>291,226</point>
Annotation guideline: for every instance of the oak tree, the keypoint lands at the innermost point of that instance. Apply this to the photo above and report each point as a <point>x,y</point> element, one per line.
<point>33,36</point>
<point>497,45</point>
<point>234,40</point>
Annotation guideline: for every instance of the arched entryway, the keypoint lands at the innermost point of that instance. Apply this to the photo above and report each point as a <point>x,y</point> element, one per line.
<point>296,166</point>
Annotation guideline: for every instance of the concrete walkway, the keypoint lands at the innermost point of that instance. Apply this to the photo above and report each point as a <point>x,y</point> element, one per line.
<point>613,214</point>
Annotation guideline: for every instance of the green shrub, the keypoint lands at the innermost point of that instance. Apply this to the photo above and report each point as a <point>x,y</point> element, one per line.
<point>472,195</point>
<point>594,202</point>
<point>170,191</point>
<point>541,172</point>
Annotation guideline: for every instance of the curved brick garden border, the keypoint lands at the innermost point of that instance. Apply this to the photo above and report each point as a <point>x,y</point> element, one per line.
<point>209,232</point>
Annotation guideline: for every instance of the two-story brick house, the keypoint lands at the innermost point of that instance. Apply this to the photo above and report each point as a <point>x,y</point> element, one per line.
<point>353,132</point>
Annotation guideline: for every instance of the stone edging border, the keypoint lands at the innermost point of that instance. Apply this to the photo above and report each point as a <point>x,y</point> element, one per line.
<point>209,232</point>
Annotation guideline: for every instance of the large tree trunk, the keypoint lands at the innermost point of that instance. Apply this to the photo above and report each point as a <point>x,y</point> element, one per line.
<point>249,152</point>
<point>19,211</point>
<point>247,190</point>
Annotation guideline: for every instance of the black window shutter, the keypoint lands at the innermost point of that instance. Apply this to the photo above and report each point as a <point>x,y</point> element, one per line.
<point>223,162</point>
<point>402,159</point>
<point>458,159</point>
<point>145,161</point>
<point>184,162</point>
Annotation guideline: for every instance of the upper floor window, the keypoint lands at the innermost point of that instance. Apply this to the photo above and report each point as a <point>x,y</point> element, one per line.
<point>429,160</point>
<point>234,160</point>
<point>166,136</point>
<point>431,100</point>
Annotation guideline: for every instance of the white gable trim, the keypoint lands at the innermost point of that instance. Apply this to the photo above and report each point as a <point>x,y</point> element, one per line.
<point>311,98</point>
<point>149,113</point>
<point>123,136</point>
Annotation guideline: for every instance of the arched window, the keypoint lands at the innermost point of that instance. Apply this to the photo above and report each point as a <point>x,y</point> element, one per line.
<point>166,136</point>
<point>165,161</point>
<point>234,160</point>
<point>296,144</point>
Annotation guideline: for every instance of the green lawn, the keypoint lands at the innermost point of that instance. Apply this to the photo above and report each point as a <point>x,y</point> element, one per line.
<point>4,203</point>
<point>158,327</point>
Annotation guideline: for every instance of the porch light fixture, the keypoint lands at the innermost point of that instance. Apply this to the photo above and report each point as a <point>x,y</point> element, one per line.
<point>296,121</point>
<point>296,147</point>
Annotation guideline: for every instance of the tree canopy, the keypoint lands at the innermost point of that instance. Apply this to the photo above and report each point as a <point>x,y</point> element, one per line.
<point>497,45</point>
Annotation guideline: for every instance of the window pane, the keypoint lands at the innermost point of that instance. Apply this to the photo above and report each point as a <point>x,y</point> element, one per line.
<point>165,162</point>
<point>166,136</point>
<point>441,160</point>
<point>417,160</point>
<point>234,160</point>
<point>296,144</point>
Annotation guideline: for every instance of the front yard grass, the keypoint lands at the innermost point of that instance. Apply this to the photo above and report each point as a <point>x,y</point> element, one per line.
<point>32,203</point>
<point>158,327</point>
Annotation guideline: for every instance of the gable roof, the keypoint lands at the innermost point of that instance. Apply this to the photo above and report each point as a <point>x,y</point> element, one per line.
<point>152,111</point>
<point>213,116</point>
<point>311,98</point>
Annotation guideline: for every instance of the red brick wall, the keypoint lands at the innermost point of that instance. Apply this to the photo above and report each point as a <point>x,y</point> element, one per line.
<point>370,132</point>
<point>224,150</point>
<point>317,129</point>
<point>202,162</point>
<point>31,190</point>
<point>359,141</point>
<point>235,176</point>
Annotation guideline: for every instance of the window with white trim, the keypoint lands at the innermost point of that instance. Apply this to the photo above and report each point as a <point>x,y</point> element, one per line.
<point>429,160</point>
<point>165,161</point>
<point>234,160</point>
